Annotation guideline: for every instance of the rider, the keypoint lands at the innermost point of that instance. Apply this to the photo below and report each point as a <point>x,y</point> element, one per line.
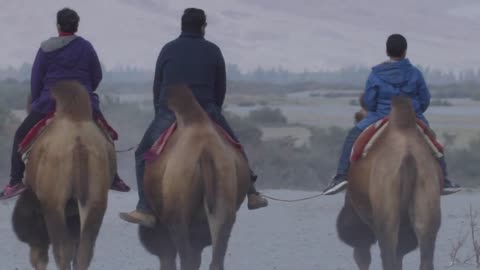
<point>193,60</point>
<point>67,56</point>
<point>383,83</point>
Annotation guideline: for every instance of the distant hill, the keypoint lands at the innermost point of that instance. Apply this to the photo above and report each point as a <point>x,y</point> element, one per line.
<point>311,34</point>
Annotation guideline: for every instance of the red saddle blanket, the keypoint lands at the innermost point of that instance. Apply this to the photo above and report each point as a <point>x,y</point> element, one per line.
<point>33,134</point>
<point>160,143</point>
<point>371,134</point>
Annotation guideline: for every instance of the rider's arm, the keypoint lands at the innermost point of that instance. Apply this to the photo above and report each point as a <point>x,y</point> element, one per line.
<point>96,69</point>
<point>38,73</point>
<point>158,80</point>
<point>220,80</point>
<point>370,95</point>
<point>423,93</point>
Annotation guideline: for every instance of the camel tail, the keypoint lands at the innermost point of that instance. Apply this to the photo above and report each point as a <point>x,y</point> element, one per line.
<point>408,179</point>
<point>210,178</point>
<point>80,172</point>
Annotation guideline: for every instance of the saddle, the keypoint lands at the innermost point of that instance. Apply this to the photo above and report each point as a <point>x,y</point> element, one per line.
<point>370,135</point>
<point>155,151</point>
<point>26,144</point>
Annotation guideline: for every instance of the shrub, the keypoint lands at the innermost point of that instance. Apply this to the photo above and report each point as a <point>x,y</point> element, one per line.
<point>267,115</point>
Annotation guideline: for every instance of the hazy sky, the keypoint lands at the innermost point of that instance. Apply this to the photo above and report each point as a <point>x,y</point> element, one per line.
<point>300,34</point>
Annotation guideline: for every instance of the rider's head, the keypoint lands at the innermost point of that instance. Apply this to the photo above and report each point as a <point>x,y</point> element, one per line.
<point>396,46</point>
<point>194,20</point>
<point>67,20</point>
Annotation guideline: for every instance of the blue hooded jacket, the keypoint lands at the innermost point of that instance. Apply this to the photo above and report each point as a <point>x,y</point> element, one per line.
<point>391,79</point>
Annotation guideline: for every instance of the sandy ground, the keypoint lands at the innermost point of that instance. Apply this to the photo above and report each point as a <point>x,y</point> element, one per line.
<point>284,236</point>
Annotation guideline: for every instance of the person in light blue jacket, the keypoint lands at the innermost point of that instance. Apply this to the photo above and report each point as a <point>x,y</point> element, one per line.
<point>397,76</point>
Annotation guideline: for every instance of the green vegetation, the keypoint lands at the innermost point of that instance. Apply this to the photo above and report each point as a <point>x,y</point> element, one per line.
<point>441,103</point>
<point>280,163</point>
<point>267,116</point>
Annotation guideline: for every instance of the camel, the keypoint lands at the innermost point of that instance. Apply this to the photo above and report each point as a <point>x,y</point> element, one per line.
<point>69,171</point>
<point>195,188</point>
<point>393,195</point>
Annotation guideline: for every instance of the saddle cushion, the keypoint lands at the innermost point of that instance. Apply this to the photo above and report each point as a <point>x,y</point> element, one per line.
<point>160,143</point>
<point>27,142</point>
<point>369,136</point>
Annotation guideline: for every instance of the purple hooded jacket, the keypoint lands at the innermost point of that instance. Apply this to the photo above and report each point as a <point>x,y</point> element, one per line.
<point>64,58</point>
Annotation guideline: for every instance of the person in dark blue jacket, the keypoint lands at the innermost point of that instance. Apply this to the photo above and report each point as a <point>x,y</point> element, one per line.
<point>66,56</point>
<point>397,76</point>
<point>199,63</point>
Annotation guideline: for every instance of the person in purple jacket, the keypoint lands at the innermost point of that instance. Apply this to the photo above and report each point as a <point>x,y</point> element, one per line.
<point>67,56</point>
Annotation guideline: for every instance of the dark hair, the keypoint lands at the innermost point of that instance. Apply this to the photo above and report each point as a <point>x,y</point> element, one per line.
<point>68,20</point>
<point>396,45</point>
<point>193,19</point>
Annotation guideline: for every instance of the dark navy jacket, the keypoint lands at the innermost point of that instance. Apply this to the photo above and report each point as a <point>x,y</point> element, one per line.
<point>60,58</point>
<point>195,61</point>
<point>389,79</point>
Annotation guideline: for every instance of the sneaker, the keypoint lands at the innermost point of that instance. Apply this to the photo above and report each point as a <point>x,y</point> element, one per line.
<point>12,190</point>
<point>256,201</point>
<point>450,187</point>
<point>119,185</point>
<point>140,218</point>
<point>338,183</point>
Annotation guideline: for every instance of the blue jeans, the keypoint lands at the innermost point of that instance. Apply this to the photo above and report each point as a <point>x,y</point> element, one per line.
<point>162,121</point>
<point>344,161</point>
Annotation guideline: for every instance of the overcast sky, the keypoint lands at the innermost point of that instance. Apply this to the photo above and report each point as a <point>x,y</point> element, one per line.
<point>298,35</point>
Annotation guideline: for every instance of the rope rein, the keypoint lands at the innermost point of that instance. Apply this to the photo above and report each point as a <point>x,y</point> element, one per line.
<point>126,150</point>
<point>294,200</point>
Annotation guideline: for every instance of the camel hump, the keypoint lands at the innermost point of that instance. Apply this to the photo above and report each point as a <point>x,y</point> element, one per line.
<point>72,100</point>
<point>402,115</point>
<point>179,96</point>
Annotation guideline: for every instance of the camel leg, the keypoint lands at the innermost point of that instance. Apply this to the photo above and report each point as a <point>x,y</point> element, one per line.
<point>407,242</point>
<point>29,226</point>
<point>221,224</point>
<point>180,236</point>
<point>59,236</point>
<point>363,257</point>
<point>39,257</point>
<point>158,242</point>
<point>167,254</point>
<point>196,257</point>
<point>387,234</point>
<point>427,234</point>
<point>91,221</point>
<point>355,233</point>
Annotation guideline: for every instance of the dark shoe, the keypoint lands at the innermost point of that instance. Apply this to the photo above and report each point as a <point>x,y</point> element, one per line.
<point>256,201</point>
<point>12,190</point>
<point>450,187</point>
<point>338,183</point>
<point>119,185</point>
<point>137,217</point>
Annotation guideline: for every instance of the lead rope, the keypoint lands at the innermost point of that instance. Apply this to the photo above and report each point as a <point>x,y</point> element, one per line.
<point>294,200</point>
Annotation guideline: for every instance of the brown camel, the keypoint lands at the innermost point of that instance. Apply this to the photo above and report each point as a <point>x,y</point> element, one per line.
<point>393,195</point>
<point>69,172</point>
<point>195,188</point>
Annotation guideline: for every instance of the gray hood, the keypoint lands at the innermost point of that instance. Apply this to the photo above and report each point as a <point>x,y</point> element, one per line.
<point>55,43</point>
